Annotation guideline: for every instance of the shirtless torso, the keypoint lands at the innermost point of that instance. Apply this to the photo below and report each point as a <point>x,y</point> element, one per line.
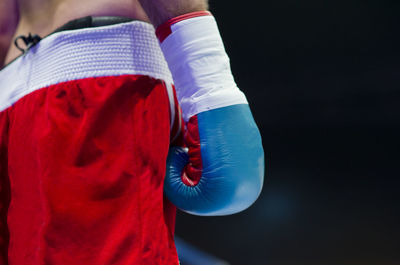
<point>21,17</point>
<point>44,16</point>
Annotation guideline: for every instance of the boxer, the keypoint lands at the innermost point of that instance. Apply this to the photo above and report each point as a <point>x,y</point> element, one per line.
<point>105,120</point>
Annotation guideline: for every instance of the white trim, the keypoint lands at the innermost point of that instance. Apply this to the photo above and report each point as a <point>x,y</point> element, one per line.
<point>200,66</point>
<point>129,48</point>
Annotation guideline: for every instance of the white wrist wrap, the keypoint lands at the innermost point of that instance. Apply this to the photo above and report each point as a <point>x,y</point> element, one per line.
<point>200,66</point>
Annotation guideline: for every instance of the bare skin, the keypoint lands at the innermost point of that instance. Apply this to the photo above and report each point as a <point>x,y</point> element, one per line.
<point>44,16</point>
<point>8,23</point>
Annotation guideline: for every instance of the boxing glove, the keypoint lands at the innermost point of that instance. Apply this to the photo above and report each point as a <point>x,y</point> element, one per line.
<point>220,171</point>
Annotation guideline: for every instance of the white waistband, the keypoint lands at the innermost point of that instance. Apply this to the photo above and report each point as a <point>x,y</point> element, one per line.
<point>128,48</point>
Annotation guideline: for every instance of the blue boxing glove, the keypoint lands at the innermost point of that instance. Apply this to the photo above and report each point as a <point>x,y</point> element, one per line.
<point>221,169</point>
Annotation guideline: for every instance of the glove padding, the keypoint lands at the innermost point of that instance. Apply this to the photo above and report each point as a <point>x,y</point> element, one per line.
<point>221,170</point>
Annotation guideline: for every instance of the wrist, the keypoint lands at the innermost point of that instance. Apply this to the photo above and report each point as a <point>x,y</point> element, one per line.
<point>200,67</point>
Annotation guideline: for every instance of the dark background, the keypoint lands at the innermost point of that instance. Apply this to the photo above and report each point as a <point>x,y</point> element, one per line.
<point>322,80</point>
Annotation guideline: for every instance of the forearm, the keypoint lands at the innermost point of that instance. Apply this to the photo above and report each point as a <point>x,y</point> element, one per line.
<point>160,11</point>
<point>221,171</point>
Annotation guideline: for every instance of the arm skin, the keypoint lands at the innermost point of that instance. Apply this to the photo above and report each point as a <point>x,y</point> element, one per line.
<point>160,11</point>
<point>8,24</point>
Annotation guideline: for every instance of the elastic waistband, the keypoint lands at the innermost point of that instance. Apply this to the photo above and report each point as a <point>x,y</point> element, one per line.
<point>80,23</point>
<point>121,49</point>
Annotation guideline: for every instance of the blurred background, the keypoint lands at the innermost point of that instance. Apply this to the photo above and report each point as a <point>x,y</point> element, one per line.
<point>322,79</point>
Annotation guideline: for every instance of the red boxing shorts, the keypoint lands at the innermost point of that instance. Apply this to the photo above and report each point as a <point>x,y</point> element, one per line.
<point>85,126</point>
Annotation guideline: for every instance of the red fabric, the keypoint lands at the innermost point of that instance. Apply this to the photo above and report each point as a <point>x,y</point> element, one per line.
<point>164,30</point>
<point>86,164</point>
<point>4,188</point>
<point>193,170</point>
